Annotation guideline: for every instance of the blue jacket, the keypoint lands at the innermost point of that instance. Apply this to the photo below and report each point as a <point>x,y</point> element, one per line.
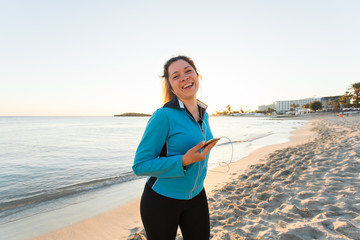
<point>169,134</point>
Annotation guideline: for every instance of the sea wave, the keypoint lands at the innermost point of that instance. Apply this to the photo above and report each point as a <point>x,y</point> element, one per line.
<point>32,199</point>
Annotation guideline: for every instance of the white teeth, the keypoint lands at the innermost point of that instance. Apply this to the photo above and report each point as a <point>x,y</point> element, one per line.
<point>187,85</point>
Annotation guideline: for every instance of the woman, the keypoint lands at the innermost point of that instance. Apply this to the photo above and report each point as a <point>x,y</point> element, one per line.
<point>171,153</point>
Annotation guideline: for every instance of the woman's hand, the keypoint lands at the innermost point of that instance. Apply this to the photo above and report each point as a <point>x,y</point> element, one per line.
<point>193,155</point>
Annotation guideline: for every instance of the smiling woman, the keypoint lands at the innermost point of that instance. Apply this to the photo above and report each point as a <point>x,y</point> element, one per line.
<point>173,155</point>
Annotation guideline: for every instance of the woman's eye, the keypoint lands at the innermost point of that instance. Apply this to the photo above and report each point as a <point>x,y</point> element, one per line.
<point>188,71</point>
<point>175,77</point>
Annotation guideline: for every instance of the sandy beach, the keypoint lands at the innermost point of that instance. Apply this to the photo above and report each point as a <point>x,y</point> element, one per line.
<point>307,188</point>
<point>309,191</point>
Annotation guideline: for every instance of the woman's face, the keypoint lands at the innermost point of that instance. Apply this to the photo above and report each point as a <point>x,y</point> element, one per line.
<point>183,80</point>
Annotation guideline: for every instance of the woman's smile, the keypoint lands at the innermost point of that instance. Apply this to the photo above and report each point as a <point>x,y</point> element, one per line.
<point>189,85</point>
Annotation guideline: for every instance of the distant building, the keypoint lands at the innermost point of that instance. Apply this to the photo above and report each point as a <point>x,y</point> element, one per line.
<point>285,106</point>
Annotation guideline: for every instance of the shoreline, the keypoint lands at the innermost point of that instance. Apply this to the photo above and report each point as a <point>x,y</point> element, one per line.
<point>124,220</point>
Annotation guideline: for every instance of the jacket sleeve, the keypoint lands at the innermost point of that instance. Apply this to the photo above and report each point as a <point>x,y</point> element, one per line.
<point>147,161</point>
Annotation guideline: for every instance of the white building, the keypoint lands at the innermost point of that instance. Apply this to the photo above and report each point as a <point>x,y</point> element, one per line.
<point>285,106</point>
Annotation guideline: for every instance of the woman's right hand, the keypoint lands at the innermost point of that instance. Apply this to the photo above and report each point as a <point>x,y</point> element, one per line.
<point>194,155</point>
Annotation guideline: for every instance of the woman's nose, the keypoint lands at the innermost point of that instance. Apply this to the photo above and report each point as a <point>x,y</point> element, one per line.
<point>184,77</point>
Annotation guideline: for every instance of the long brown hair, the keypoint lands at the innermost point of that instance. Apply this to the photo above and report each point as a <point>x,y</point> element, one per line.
<point>167,93</point>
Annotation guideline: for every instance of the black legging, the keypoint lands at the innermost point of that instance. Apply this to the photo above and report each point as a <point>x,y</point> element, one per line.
<point>162,215</point>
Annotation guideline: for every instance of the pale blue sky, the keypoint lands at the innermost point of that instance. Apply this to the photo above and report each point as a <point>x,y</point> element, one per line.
<point>105,57</point>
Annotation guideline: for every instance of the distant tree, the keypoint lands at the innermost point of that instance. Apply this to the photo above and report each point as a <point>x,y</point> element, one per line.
<point>270,110</point>
<point>329,103</point>
<point>220,112</point>
<point>351,95</point>
<point>294,106</point>
<point>335,104</point>
<point>315,105</point>
<point>228,108</point>
<point>355,93</point>
<point>305,106</point>
<point>345,100</point>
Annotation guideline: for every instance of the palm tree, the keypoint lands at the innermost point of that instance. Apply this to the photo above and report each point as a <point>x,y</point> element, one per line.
<point>229,110</point>
<point>344,100</point>
<point>294,106</point>
<point>356,89</point>
<point>328,104</point>
<point>335,104</point>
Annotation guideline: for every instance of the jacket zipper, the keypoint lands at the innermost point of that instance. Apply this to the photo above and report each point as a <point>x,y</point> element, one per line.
<point>198,175</point>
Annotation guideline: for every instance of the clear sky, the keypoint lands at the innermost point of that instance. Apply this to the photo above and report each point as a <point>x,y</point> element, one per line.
<point>99,58</point>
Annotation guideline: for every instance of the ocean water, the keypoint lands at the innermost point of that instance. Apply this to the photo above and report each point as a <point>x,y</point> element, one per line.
<point>47,163</point>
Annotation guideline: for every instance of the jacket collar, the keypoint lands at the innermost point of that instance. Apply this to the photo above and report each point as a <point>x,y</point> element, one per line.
<point>176,103</point>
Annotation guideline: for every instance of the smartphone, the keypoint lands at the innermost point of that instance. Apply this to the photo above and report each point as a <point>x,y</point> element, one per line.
<point>210,141</point>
